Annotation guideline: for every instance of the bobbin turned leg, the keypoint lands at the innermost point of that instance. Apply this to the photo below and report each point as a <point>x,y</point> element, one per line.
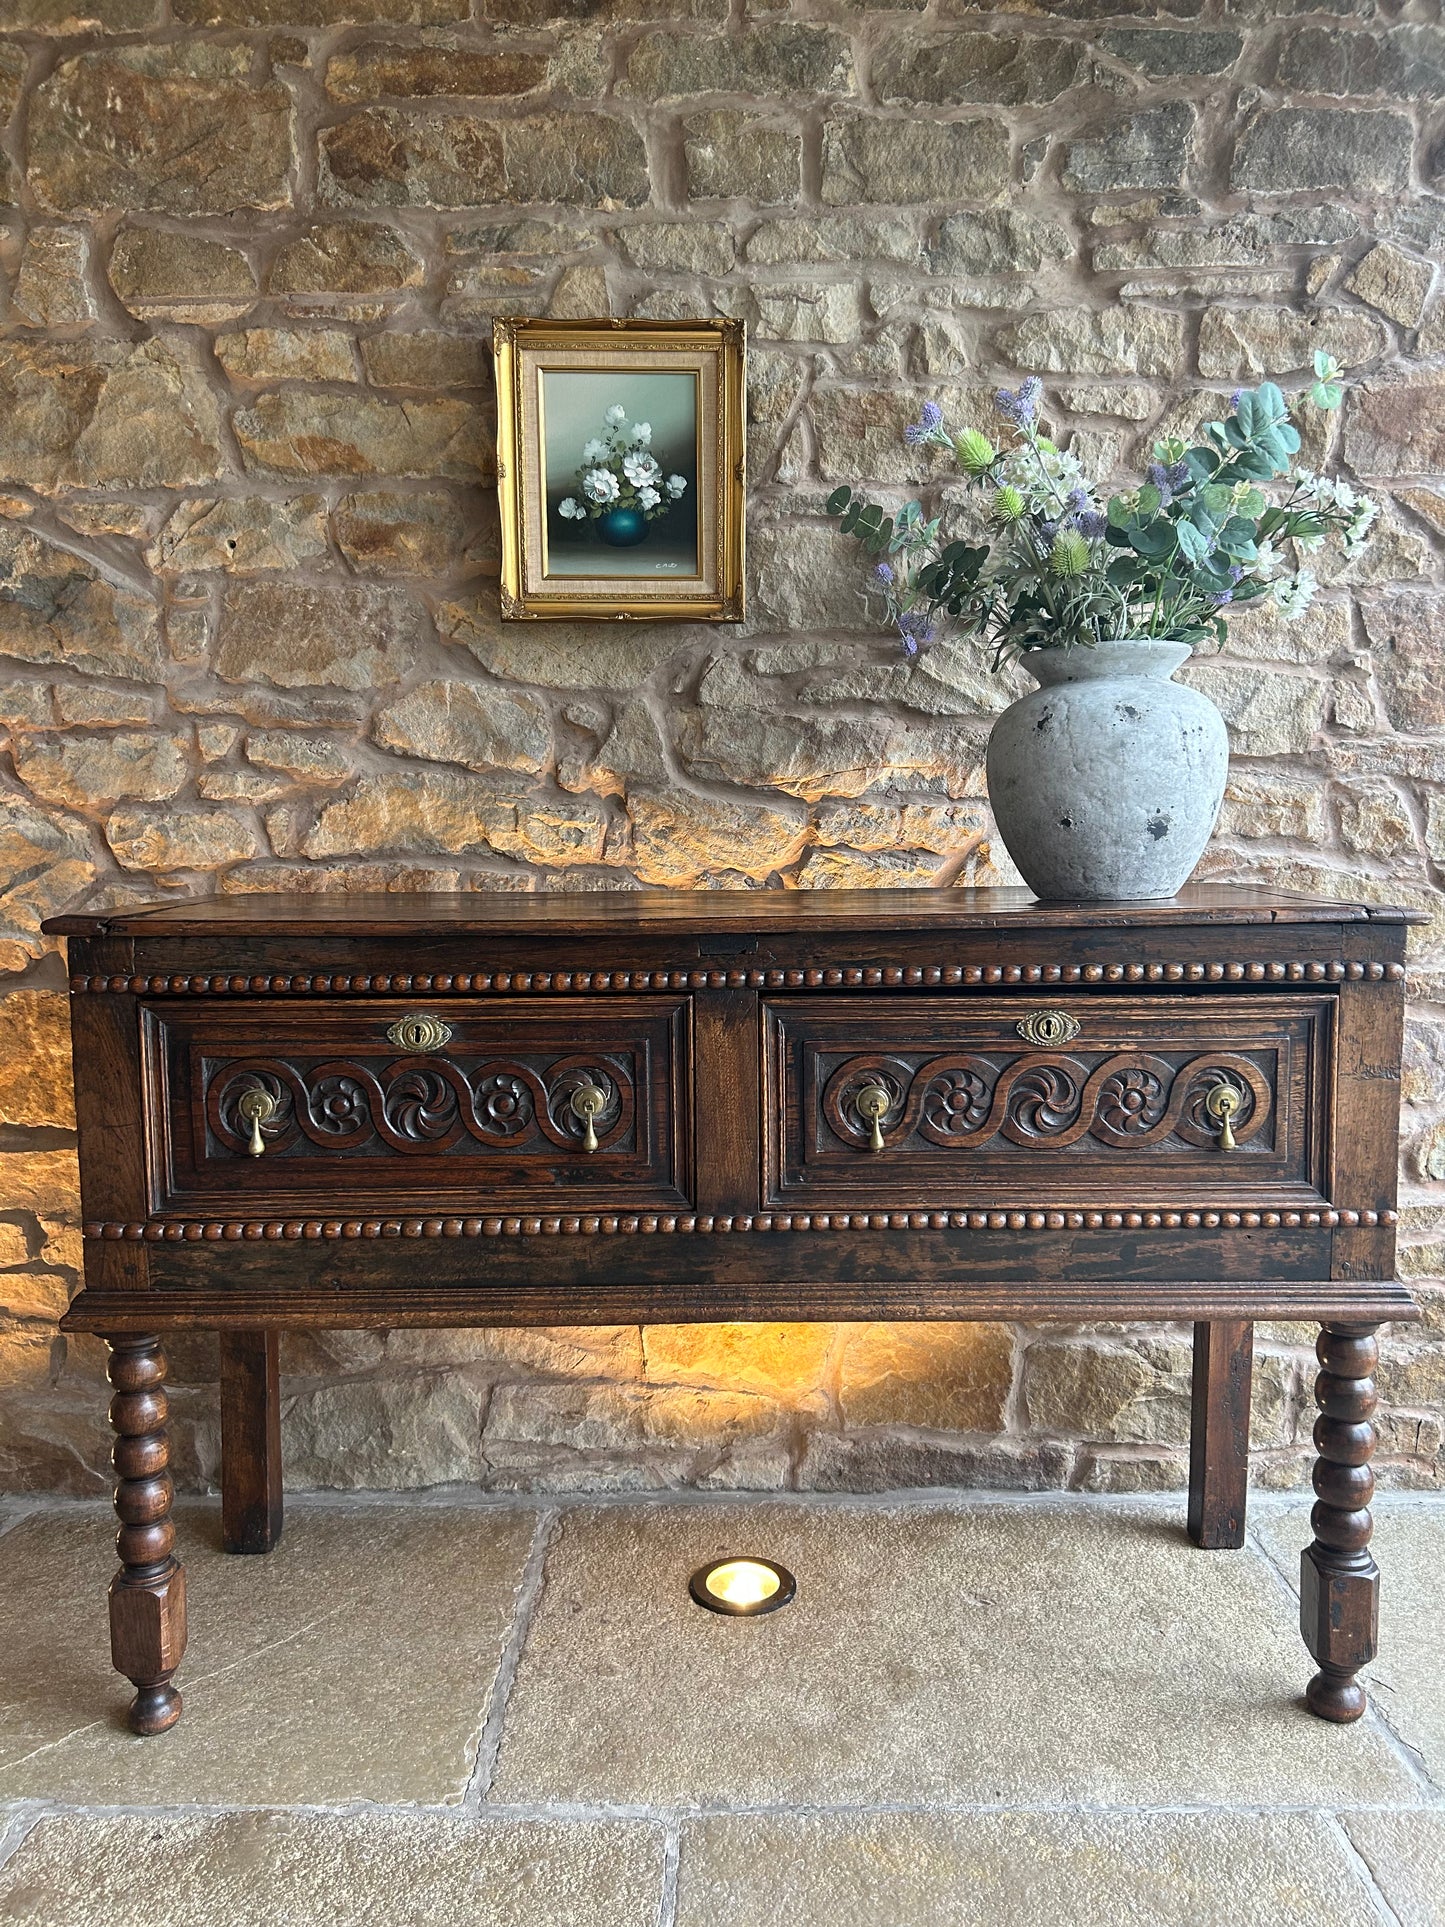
<point>148,1594</point>
<point>1339,1580</point>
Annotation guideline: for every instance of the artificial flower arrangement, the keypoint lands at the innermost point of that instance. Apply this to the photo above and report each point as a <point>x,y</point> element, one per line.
<point>1202,532</point>
<point>620,471</point>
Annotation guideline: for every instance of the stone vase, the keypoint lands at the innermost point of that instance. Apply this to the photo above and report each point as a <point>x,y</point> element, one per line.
<point>1106,780</point>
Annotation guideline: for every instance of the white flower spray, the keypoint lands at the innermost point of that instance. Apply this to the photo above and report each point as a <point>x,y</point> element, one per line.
<point>620,471</point>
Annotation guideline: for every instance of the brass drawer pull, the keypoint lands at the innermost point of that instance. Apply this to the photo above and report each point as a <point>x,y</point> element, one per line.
<point>1223,1104</point>
<point>1047,1027</point>
<point>588,1102</point>
<point>256,1107</point>
<point>872,1104</point>
<point>419,1033</point>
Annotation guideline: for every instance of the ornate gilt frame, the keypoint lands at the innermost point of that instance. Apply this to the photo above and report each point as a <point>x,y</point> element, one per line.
<point>516,345</point>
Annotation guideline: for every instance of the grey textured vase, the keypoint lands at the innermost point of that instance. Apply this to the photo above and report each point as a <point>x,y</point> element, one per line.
<point>1107,779</point>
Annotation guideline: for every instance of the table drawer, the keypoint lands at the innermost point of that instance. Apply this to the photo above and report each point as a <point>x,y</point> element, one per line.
<point>939,1102</point>
<point>372,1105</point>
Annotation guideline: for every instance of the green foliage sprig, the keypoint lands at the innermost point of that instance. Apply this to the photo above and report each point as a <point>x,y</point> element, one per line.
<point>1200,534</point>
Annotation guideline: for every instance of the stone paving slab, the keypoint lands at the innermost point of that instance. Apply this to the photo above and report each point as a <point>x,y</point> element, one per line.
<point>1023,1669</point>
<point>1407,1681</point>
<point>371,1870</point>
<point>353,1663</point>
<point>988,1655</point>
<point>1406,1854</point>
<point>1020,1870</point>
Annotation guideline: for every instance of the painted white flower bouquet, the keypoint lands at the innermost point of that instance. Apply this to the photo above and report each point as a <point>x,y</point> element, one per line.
<point>620,471</point>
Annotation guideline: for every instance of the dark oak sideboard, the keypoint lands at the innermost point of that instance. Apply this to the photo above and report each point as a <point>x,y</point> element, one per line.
<point>660,1106</point>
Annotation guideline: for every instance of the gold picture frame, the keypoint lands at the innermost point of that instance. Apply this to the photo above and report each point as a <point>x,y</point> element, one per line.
<point>567,535</point>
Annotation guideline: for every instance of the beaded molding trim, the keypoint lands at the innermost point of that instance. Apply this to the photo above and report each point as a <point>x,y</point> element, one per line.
<point>837,976</point>
<point>591,1224</point>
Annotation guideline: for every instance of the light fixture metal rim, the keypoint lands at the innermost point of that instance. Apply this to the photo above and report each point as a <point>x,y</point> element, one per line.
<point>698,1588</point>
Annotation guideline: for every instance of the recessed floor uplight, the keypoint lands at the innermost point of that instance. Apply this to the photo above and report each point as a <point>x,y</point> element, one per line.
<point>742,1587</point>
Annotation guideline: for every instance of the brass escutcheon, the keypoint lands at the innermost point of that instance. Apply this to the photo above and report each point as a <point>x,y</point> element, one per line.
<point>1223,1104</point>
<point>872,1104</point>
<point>587,1102</point>
<point>1047,1027</point>
<point>419,1033</point>
<point>256,1107</point>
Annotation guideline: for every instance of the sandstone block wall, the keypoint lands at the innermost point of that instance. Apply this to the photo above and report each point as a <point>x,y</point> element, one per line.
<point>250,250</point>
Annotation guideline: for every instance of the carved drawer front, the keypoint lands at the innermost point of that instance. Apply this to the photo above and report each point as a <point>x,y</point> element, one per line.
<point>374,1105</point>
<point>942,1102</point>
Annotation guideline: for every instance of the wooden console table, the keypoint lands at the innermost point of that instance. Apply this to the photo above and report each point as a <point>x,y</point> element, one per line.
<point>514,1110</point>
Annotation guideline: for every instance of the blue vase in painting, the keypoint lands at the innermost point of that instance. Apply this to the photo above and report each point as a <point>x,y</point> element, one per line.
<point>622,528</point>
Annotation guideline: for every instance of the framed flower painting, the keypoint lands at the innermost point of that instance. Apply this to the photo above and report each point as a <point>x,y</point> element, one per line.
<point>620,469</point>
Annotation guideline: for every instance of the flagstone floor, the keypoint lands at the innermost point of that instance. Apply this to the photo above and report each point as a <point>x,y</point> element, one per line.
<point>977,1712</point>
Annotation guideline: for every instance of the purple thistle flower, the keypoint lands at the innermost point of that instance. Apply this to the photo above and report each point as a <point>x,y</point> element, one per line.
<point>1022,408</point>
<point>882,572</point>
<point>1235,399</point>
<point>1236,573</point>
<point>1092,523</point>
<point>927,425</point>
<point>1158,477</point>
<point>1177,475</point>
<point>1049,529</point>
<point>908,645</point>
<point>1219,601</point>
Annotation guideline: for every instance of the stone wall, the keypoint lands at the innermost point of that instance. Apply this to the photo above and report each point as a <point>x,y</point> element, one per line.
<point>250,257</point>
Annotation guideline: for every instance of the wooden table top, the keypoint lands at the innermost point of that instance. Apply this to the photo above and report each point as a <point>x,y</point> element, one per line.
<point>747,911</point>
